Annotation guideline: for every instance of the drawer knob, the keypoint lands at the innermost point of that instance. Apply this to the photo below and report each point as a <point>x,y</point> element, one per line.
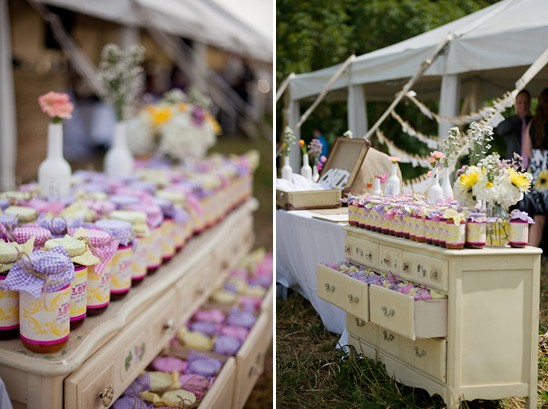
<point>352,299</point>
<point>419,352</point>
<point>329,288</point>
<point>434,274</point>
<point>107,396</point>
<point>347,249</point>
<point>369,255</point>
<point>405,266</point>
<point>360,323</point>
<point>386,261</point>
<point>170,325</point>
<point>388,312</point>
<point>388,337</point>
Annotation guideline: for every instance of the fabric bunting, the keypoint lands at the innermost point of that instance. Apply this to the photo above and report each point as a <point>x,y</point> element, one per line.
<point>431,141</point>
<point>420,184</point>
<point>405,157</point>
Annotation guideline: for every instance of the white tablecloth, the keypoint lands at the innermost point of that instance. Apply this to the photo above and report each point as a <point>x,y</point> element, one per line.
<point>5,402</point>
<point>301,243</point>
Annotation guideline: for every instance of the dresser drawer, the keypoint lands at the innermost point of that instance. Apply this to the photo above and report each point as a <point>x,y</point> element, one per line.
<point>348,293</point>
<point>361,347</point>
<point>110,371</point>
<point>389,259</point>
<point>250,360</point>
<point>427,270</point>
<point>405,316</point>
<point>194,288</point>
<point>388,341</point>
<point>366,331</point>
<point>362,251</point>
<point>427,355</point>
<point>235,247</point>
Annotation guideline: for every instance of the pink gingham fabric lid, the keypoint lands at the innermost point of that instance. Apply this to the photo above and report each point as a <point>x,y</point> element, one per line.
<point>155,217</point>
<point>212,315</point>
<point>101,207</point>
<point>202,364</point>
<point>23,233</point>
<point>42,271</point>
<point>238,332</point>
<point>103,245</point>
<point>46,206</point>
<point>197,384</point>
<point>169,364</point>
<point>118,229</point>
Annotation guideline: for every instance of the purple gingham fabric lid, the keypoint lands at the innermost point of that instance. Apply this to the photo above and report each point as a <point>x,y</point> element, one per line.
<point>131,402</point>
<point>4,203</point>
<point>121,201</point>
<point>155,217</point>
<point>238,332</point>
<point>118,229</point>
<point>202,364</point>
<point>209,328</point>
<point>169,364</point>
<point>165,205</point>
<point>103,246</point>
<point>58,226</point>
<point>54,267</point>
<point>24,233</point>
<point>140,384</point>
<point>227,345</point>
<point>210,315</point>
<point>8,219</point>
<point>239,318</point>
<point>148,187</point>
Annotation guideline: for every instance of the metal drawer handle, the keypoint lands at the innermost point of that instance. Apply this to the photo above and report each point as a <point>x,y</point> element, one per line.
<point>107,396</point>
<point>419,352</point>
<point>369,255</point>
<point>170,325</point>
<point>329,288</point>
<point>387,336</point>
<point>405,266</point>
<point>347,249</point>
<point>387,312</point>
<point>353,299</point>
<point>434,274</point>
<point>421,270</point>
<point>386,261</point>
<point>360,323</point>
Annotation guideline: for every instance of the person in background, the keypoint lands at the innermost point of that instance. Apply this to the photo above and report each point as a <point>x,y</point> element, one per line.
<point>325,145</point>
<point>513,128</point>
<point>536,150</point>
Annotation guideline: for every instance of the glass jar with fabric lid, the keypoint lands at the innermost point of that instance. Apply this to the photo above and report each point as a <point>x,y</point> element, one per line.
<point>120,265</point>
<point>43,281</point>
<point>82,257</point>
<point>154,220</point>
<point>40,235</point>
<point>104,247</point>
<point>475,230</point>
<point>183,229</point>
<point>138,221</point>
<point>24,214</point>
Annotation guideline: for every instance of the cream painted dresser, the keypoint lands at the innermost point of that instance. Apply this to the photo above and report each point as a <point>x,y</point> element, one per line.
<point>478,342</point>
<point>107,353</point>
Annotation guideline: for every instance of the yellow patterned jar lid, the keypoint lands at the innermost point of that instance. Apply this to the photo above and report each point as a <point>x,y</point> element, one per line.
<point>79,211</point>
<point>137,218</point>
<point>16,195</point>
<point>9,253</point>
<point>177,198</point>
<point>78,250</point>
<point>24,214</point>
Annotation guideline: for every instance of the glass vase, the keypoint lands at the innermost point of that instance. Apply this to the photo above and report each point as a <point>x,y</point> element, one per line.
<point>496,227</point>
<point>306,170</point>
<point>392,186</point>
<point>446,184</point>
<point>287,171</point>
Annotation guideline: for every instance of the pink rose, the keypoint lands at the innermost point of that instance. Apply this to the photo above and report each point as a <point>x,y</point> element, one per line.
<point>56,105</point>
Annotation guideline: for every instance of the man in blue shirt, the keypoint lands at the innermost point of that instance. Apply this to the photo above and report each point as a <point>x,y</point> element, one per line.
<point>325,145</point>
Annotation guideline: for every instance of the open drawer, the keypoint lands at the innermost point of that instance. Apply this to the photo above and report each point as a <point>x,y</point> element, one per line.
<point>407,317</point>
<point>346,292</point>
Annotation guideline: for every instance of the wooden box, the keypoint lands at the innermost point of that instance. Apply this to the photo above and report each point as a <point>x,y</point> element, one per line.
<point>346,154</point>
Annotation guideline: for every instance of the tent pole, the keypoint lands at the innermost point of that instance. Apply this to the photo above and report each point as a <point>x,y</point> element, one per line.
<point>424,66</point>
<point>325,90</point>
<point>449,96</point>
<point>284,85</point>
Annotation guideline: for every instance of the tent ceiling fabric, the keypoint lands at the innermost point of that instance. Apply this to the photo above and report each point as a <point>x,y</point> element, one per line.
<point>497,44</point>
<point>202,20</point>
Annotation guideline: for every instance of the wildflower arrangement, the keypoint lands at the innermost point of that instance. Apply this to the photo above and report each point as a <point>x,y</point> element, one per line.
<point>321,163</point>
<point>56,105</point>
<point>434,158</point>
<point>450,147</point>
<point>302,144</point>
<point>288,141</point>
<point>178,126</point>
<point>122,77</point>
<point>315,150</point>
<point>479,142</point>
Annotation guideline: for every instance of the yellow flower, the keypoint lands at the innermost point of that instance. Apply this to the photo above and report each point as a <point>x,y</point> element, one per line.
<point>520,180</point>
<point>159,115</point>
<point>182,106</point>
<point>542,180</point>
<point>214,124</point>
<point>469,179</point>
<point>489,185</point>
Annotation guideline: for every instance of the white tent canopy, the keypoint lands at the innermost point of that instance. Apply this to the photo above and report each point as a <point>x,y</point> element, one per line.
<point>490,51</point>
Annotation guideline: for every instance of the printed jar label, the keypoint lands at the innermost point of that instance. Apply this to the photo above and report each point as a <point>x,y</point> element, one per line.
<point>9,308</point>
<point>120,273</point>
<point>455,234</point>
<point>475,233</point>
<point>154,248</point>
<point>45,320</point>
<point>519,233</point>
<point>78,294</point>
<point>167,244</point>
<point>139,259</point>
<point>98,288</point>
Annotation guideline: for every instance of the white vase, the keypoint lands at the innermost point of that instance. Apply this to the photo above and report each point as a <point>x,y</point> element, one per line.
<point>119,160</point>
<point>287,171</point>
<point>435,192</point>
<point>306,170</point>
<point>376,191</point>
<point>54,173</point>
<point>446,184</point>
<point>315,174</point>
<point>392,186</point>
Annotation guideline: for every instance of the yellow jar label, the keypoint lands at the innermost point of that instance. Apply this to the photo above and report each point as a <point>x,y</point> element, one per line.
<point>120,273</point>
<point>154,248</point>
<point>475,233</point>
<point>9,308</point>
<point>519,233</point>
<point>455,234</point>
<point>168,245</point>
<point>139,259</point>
<point>98,288</point>
<point>45,320</point>
<point>78,294</point>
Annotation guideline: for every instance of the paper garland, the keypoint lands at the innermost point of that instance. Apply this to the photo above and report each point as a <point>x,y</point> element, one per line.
<point>404,157</point>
